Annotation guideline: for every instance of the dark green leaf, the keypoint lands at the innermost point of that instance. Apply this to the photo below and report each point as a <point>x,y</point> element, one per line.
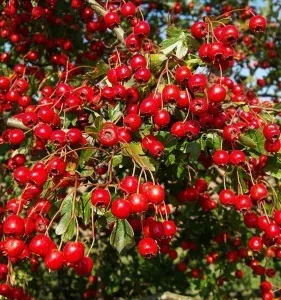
<point>100,69</point>
<point>85,208</point>
<point>69,233</point>
<point>193,148</point>
<point>63,224</point>
<point>122,236</point>
<point>135,151</point>
<point>85,155</point>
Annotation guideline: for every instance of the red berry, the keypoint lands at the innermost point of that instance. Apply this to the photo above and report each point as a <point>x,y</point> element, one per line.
<point>199,30</point>
<point>121,208</point>
<point>108,136</point>
<point>237,157</point>
<point>255,243</point>
<point>227,197</point>
<point>13,247</point>
<point>257,23</point>
<point>13,225</point>
<point>170,228</point>
<point>221,157</point>
<point>129,184</point>
<point>100,197</point>
<point>84,266</point>
<point>258,191</point>
<point>148,247</point>
<point>142,29</point>
<point>16,136</point>
<point>54,260</point>
<point>138,203</point>
<point>243,202</point>
<point>111,19</point>
<point>41,245</point>
<point>271,132</point>
<point>73,252</point>
<point>216,93</point>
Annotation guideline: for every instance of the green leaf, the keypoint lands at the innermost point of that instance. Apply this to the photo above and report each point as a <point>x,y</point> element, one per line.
<point>213,140</point>
<point>85,208</point>
<point>254,139</point>
<point>87,171</point>
<point>69,233</point>
<point>247,141</point>
<point>193,148</point>
<point>67,204</point>
<point>100,69</point>
<point>66,211</point>
<point>273,167</point>
<point>115,112</point>
<point>109,217</point>
<point>85,155</point>
<point>63,224</point>
<point>135,151</point>
<point>117,161</point>
<point>122,236</point>
<point>173,31</point>
<point>180,171</point>
<point>177,40</point>
<point>155,61</point>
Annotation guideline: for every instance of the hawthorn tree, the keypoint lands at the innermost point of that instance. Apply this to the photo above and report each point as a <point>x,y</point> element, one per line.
<point>140,149</point>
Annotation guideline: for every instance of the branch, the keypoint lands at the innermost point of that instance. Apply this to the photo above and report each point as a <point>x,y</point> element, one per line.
<point>101,11</point>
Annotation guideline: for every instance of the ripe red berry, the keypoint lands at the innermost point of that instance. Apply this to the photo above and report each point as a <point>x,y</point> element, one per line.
<point>216,93</point>
<point>199,106</point>
<point>108,136</point>
<point>272,147</point>
<point>111,19</point>
<point>155,194</point>
<point>13,247</point>
<point>258,191</point>
<point>197,82</point>
<point>273,231</point>
<point>13,225</point>
<point>128,10</point>
<point>84,266</point>
<point>199,29</point>
<point>255,243</point>
<point>129,184</point>
<point>237,157</point>
<point>221,157</point>
<point>16,136</point>
<point>271,132</point>
<point>142,29</point>
<point>73,252</point>
<point>170,93</point>
<point>229,34</point>
<point>251,220</point>
<point>231,133</point>
<point>54,260</point>
<point>121,208</point>
<point>170,228</point>
<point>56,167</point>
<point>257,23</point>
<point>243,202</point>
<point>182,74</point>
<point>138,203</point>
<point>133,121</point>
<point>100,197</point>
<point>227,197</point>
<point>148,247</point>
<point>41,245</point>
